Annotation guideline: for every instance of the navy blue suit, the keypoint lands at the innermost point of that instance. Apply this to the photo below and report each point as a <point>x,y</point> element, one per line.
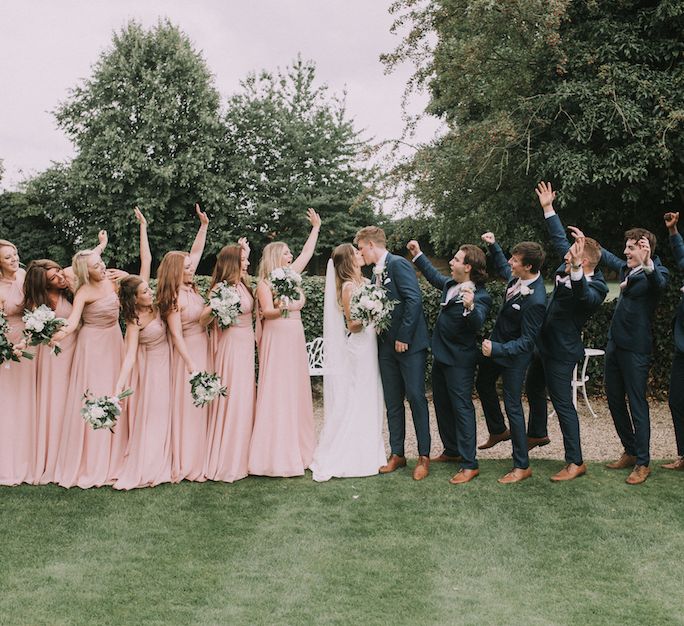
<point>676,396</point>
<point>454,357</point>
<point>628,353</point>
<point>403,374</point>
<point>560,347</point>
<point>513,340</point>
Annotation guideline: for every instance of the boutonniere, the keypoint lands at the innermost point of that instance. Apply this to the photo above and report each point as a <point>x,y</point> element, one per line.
<point>525,291</point>
<point>380,273</point>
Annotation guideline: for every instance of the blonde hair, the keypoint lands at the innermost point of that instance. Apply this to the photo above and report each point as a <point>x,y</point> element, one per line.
<point>4,243</point>
<point>271,258</point>
<point>79,265</point>
<point>371,233</point>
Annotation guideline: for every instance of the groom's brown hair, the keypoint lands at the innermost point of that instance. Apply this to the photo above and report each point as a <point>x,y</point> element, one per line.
<point>371,233</point>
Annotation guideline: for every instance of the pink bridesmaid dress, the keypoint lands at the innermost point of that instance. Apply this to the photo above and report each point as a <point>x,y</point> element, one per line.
<point>283,438</point>
<point>148,458</point>
<point>189,423</point>
<point>231,418</point>
<point>53,382</point>
<point>17,400</point>
<point>88,457</point>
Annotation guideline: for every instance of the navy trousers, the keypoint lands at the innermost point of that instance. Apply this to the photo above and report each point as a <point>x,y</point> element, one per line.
<point>546,375</point>
<point>513,379</point>
<point>452,393</point>
<point>626,376</point>
<point>403,376</point>
<point>676,399</point>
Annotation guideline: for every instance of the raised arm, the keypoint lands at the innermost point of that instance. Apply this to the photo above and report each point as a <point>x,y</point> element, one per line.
<point>103,240</point>
<point>131,347</point>
<point>175,326</point>
<point>553,223</point>
<point>676,241</point>
<point>589,294</point>
<point>74,318</point>
<point>300,263</point>
<point>501,265</point>
<point>426,268</point>
<point>200,239</point>
<point>145,253</point>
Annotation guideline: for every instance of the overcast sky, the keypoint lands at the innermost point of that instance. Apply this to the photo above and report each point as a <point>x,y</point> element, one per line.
<point>48,46</point>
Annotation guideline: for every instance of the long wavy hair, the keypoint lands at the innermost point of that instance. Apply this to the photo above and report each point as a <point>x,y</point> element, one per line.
<point>228,268</point>
<point>271,258</point>
<point>79,265</point>
<point>344,262</point>
<point>36,283</point>
<point>169,280</point>
<point>128,290</point>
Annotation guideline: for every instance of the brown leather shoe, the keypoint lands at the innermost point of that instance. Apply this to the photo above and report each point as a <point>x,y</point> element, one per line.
<point>625,461</point>
<point>639,475</point>
<point>422,469</point>
<point>464,476</point>
<point>445,458</point>
<point>515,475</point>
<point>533,442</point>
<point>494,439</point>
<point>677,465</point>
<point>394,463</point>
<point>569,472</point>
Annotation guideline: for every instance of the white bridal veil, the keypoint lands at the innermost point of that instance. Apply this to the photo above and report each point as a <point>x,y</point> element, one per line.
<point>335,381</point>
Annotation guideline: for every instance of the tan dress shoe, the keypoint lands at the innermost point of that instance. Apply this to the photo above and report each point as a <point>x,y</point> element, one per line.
<point>639,475</point>
<point>445,458</point>
<point>494,439</point>
<point>533,442</point>
<point>422,469</point>
<point>625,461</point>
<point>569,472</point>
<point>515,475</point>
<point>394,463</point>
<point>677,465</point>
<point>464,476</point>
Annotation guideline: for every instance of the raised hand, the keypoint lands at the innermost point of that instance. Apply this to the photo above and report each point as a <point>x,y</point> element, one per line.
<point>576,252</point>
<point>643,252</point>
<point>489,238</point>
<point>314,218</point>
<point>103,239</point>
<point>546,196</point>
<point>140,217</point>
<point>114,274</point>
<point>468,297</point>
<point>413,247</point>
<point>576,232</point>
<point>204,220</point>
<point>671,220</point>
<point>244,244</point>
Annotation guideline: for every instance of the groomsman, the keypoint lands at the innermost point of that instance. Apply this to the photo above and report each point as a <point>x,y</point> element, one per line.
<point>402,350</point>
<point>579,291</point>
<point>509,351</point>
<point>464,307</point>
<point>628,353</point>
<point>676,396</point>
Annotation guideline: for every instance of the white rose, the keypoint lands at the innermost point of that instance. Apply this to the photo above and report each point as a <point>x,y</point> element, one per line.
<point>97,412</point>
<point>525,290</point>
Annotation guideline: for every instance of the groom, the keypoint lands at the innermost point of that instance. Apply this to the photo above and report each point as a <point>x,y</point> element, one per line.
<point>402,350</point>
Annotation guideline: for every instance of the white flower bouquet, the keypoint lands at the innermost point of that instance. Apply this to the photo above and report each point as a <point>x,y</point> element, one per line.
<point>103,412</point>
<point>224,302</point>
<point>205,387</point>
<point>7,349</point>
<point>40,325</point>
<point>286,285</point>
<point>371,305</point>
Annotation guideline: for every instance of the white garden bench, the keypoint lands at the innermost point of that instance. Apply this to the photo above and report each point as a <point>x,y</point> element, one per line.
<point>315,351</point>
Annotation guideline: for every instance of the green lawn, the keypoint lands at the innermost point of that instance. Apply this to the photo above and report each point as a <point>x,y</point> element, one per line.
<point>381,550</point>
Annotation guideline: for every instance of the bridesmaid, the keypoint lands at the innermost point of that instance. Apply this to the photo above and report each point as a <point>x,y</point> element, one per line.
<point>180,306</point>
<point>88,457</point>
<point>17,382</point>
<point>283,439</point>
<point>231,418</point>
<point>147,370</point>
<point>46,283</point>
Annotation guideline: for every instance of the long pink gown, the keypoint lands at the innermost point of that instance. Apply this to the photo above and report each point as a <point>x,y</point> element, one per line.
<point>189,423</point>
<point>88,457</point>
<point>283,438</point>
<point>53,382</point>
<point>231,418</point>
<point>148,458</point>
<point>17,400</point>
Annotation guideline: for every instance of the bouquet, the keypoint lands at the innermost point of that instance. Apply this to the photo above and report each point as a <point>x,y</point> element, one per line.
<point>370,305</point>
<point>7,353</point>
<point>205,387</point>
<point>103,412</point>
<point>40,326</point>
<point>286,285</point>
<point>224,302</point>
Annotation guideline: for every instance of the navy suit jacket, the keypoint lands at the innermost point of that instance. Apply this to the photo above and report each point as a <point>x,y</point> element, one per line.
<point>519,320</point>
<point>454,337</point>
<point>568,309</point>
<point>630,328</point>
<point>678,324</point>
<point>408,321</point>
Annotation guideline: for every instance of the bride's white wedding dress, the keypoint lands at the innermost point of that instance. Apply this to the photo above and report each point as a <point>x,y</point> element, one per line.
<point>351,442</point>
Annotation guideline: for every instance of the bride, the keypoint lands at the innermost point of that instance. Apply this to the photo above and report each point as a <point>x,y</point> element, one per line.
<point>351,442</point>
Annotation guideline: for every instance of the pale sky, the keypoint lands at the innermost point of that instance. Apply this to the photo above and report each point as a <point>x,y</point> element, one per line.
<point>48,46</point>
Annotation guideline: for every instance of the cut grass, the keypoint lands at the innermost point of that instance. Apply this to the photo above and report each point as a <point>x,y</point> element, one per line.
<point>367,551</point>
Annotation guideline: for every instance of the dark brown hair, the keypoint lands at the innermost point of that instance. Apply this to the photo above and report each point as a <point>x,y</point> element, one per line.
<point>36,283</point>
<point>477,261</point>
<point>128,288</point>
<point>530,253</point>
<point>638,233</point>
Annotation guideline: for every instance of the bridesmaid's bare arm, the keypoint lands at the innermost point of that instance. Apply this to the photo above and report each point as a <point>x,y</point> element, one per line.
<point>173,322</point>
<point>132,336</point>
<point>200,239</point>
<point>266,306</point>
<point>145,252</point>
<point>80,300</point>
<point>300,263</point>
<point>354,326</point>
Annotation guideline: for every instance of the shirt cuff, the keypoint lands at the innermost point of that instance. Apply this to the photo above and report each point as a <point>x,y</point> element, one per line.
<point>549,214</point>
<point>576,274</point>
<point>417,255</point>
<point>649,267</point>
